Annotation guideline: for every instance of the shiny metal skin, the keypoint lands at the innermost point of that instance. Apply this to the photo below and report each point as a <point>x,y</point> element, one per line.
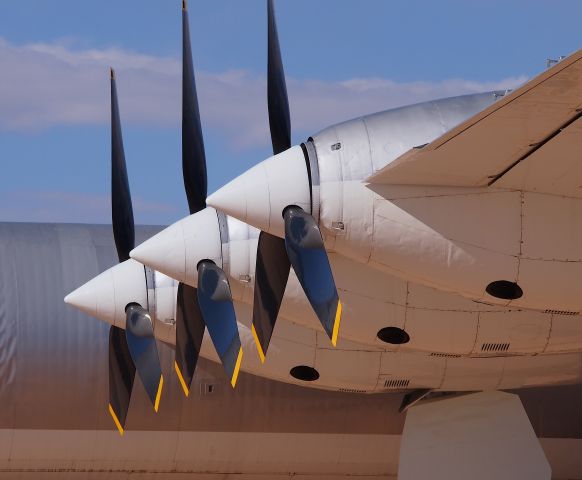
<point>307,254</point>
<point>53,366</point>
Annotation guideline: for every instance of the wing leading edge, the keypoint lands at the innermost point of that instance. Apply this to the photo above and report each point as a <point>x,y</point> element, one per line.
<point>529,139</point>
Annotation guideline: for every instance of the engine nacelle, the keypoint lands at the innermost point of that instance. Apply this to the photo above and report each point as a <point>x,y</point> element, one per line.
<point>433,321</point>
<point>297,354</point>
<point>509,248</point>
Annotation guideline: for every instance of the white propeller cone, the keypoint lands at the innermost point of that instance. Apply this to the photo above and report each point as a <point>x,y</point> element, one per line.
<point>106,296</point>
<point>259,196</point>
<point>177,250</point>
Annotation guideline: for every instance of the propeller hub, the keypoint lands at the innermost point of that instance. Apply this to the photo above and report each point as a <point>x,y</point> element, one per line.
<point>259,196</point>
<point>106,296</point>
<point>177,250</point>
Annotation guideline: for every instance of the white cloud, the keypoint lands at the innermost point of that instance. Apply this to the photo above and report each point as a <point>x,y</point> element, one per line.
<point>76,207</point>
<point>45,85</point>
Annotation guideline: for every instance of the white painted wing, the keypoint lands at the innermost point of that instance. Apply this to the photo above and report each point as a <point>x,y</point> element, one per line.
<point>530,139</point>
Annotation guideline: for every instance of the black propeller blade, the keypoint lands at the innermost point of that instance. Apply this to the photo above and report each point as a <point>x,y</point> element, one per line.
<point>136,346</point>
<point>189,334</point>
<point>216,305</point>
<point>271,275</point>
<point>273,253</point>
<point>272,267</point>
<point>189,321</point>
<point>193,155</point>
<point>279,116</point>
<point>195,308</point>
<point>121,209</point>
<point>121,377</point>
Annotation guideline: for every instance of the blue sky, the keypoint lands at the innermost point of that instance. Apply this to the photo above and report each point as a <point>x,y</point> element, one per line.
<point>342,59</point>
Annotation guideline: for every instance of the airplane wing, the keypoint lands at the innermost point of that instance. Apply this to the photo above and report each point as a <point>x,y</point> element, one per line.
<point>530,139</point>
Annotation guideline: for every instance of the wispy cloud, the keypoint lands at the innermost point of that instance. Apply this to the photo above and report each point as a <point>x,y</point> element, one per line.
<point>44,85</point>
<point>75,207</point>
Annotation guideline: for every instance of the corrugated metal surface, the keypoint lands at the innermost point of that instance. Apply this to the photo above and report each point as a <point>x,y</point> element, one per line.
<point>53,391</point>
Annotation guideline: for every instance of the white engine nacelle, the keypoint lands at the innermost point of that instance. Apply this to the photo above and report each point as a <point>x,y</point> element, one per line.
<point>513,248</point>
<point>300,355</point>
<point>434,321</point>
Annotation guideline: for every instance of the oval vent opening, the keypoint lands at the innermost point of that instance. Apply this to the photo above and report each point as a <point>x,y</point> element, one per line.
<point>504,289</point>
<point>393,335</point>
<point>304,373</point>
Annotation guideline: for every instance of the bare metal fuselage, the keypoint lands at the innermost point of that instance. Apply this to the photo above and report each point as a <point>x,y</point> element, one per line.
<point>53,392</point>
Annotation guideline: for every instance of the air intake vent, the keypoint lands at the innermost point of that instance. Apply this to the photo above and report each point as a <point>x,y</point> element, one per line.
<point>396,383</point>
<point>495,347</point>
<point>351,390</point>
<point>445,355</point>
<point>561,312</point>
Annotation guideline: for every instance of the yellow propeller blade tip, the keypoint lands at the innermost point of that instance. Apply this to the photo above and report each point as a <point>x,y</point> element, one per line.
<point>236,368</point>
<point>258,344</point>
<point>116,420</point>
<point>336,323</point>
<point>159,394</point>
<point>181,378</point>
